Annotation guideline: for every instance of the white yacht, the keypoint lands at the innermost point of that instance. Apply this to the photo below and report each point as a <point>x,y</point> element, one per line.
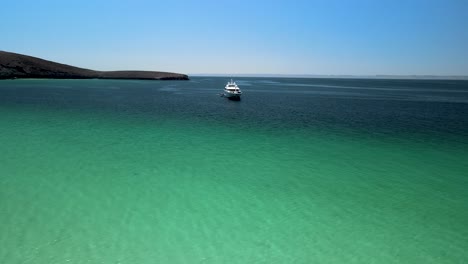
<point>232,91</point>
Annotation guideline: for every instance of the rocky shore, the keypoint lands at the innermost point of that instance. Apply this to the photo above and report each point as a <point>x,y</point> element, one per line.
<point>13,65</point>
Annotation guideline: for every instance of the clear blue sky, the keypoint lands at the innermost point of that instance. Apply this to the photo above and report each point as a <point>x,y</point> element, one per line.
<point>360,37</point>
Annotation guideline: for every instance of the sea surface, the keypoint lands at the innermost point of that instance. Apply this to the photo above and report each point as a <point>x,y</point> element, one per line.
<point>298,171</point>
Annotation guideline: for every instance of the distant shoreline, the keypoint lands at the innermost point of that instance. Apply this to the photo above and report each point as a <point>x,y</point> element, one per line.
<point>19,66</point>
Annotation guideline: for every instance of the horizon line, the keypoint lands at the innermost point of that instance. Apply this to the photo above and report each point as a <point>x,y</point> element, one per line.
<point>376,76</point>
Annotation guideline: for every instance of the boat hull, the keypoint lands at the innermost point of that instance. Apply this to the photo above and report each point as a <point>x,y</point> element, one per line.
<point>232,96</point>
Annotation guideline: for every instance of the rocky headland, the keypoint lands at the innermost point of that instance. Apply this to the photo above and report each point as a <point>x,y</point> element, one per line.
<point>13,66</point>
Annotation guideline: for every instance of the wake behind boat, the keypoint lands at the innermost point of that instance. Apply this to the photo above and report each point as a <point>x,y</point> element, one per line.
<point>232,91</point>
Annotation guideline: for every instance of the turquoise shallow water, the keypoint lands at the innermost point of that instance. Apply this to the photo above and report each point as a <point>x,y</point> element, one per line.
<point>299,171</point>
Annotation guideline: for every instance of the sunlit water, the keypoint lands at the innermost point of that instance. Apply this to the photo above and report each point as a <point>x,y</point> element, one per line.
<point>298,171</point>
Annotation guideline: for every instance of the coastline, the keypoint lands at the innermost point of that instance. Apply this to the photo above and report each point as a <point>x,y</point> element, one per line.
<point>19,66</point>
